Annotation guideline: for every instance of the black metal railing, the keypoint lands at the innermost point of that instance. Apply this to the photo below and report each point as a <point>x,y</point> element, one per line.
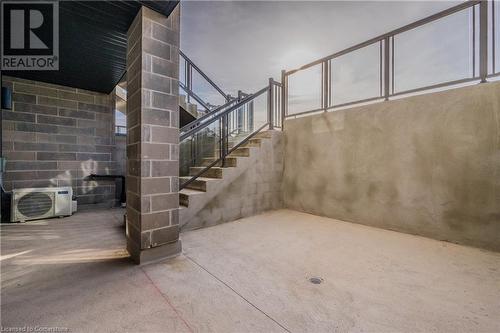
<point>210,139</point>
<point>199,87</point>
<point>326,94</point>
<point>120,130</point>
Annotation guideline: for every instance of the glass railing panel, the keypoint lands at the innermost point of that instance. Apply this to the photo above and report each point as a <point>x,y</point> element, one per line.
<point>304,90</point>
<point>206,91</point>
<point>438,52</point>
<point>209,117</point>
<point>200,149</point>
<point>182,71</point>
<point>276,104</point>
<point>188,97</point>
<point>356,75</point>
<point>249,118</point>
<point>198,88</point>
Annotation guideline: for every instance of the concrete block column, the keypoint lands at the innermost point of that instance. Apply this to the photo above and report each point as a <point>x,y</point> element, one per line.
<point>153,136</point>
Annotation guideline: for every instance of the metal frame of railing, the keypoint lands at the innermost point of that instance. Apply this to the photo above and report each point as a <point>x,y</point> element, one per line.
<point>273,91</point>
<point>207,117</point>
<point>120,130</point>
<point>187,86</point>
<point>274,101</point>
<point>277,92</point>
<point>386,58</point>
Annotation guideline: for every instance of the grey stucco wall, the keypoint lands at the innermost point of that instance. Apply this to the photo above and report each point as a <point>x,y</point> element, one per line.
<point>58,136</point>
<point>427,165</point>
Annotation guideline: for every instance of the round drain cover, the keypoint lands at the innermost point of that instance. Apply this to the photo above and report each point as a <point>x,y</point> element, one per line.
<point>316,280</point>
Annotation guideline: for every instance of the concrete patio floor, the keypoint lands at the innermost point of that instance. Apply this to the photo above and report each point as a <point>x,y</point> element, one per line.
<point>251,275</point>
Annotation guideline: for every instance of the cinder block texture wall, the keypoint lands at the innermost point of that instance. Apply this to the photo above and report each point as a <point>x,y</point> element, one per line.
<point>57,136</point>
<point>120,154</point>
<point>153,136</point>
<point>427,165</point>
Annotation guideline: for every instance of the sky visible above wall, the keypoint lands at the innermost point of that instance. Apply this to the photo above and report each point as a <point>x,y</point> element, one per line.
<point>240,44</point>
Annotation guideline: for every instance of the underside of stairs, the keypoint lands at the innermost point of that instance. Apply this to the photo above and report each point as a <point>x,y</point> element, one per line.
<point>188,111</point>
<point>199,204</point>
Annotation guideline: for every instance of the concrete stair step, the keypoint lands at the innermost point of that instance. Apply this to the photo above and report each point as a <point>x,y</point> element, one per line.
<point>185,194</point>
<point>241,152</point>
<point>263,135</point>
<point>215,172</point>
<point>199,184</point>
<point>231,162</point>
<point>253,142</point>
<point>207,186</point>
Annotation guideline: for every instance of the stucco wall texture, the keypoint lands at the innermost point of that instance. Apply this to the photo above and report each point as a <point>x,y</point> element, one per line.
<point>427,165</point>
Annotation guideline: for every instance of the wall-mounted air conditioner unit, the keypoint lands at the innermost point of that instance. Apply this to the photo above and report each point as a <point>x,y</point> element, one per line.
<point>40,203</point>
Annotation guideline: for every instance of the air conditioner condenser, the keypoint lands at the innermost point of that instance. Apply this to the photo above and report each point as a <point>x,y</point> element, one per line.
<point>40,203</point>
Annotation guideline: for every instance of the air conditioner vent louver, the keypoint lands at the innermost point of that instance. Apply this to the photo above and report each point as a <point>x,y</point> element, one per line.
<point>35,204</point>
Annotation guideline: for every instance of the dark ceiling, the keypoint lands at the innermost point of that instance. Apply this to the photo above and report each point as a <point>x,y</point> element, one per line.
<point>93,43</point>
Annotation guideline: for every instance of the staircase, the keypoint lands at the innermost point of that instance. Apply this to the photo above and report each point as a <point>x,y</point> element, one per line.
<point>214,176</point>
<point>218,144</point>
<point>209,199</point>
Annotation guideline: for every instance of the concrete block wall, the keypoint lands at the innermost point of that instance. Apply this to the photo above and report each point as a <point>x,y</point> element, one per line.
<point>120,154</point>
<point>426,165</point>
<point>153,135</point>
<point>57,136</point>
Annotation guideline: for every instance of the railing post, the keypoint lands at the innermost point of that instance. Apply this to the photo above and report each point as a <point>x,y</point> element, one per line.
<point>189,83</point>
<point>325,85</point>
<point>283,98</point>
<point>270,105</point>
<point>223,141</point>
<point>244,111</point>
<point>386,68</point>
<point>483,40</point>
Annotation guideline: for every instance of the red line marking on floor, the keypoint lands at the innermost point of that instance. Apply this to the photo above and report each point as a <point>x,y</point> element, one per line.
<point>168,302</point>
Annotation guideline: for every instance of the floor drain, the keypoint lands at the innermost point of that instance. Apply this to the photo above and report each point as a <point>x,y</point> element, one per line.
<point>316,280</point>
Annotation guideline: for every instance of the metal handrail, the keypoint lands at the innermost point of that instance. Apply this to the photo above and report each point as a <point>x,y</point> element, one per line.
<point>273,106</point>
<point>223,113</point>
<point>192,94</point>
<point>278,92</point>
<point>221,158</point>
<point>190,65</point>
<point>187,87</point>
<point>386,58</point>
<point>392,33</point>
<point>212,113</point>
